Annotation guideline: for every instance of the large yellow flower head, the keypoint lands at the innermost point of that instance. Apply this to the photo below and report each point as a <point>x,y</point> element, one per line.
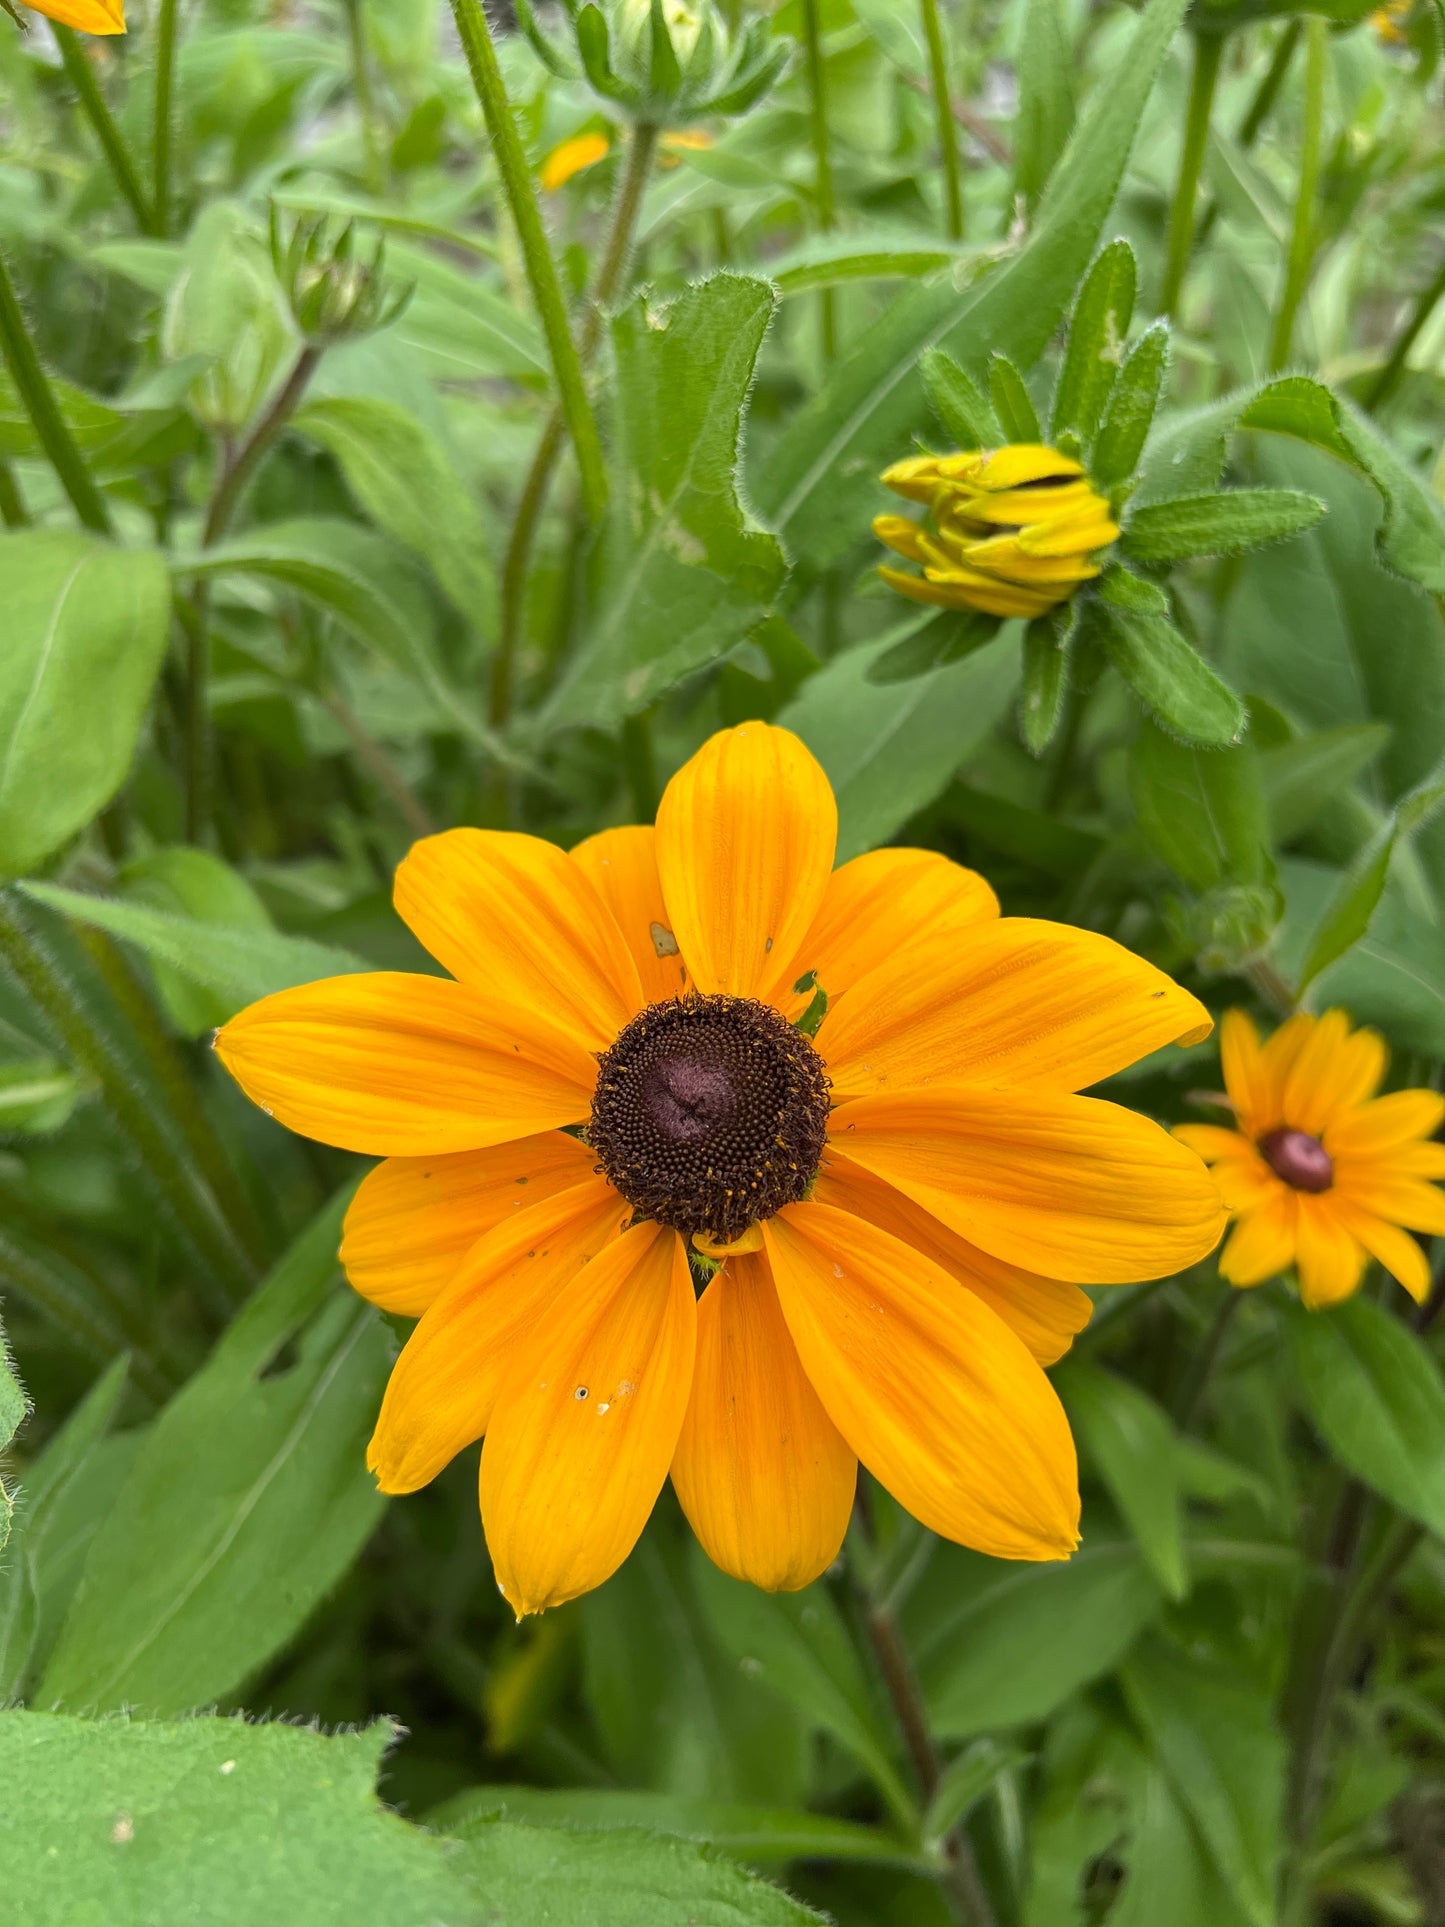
<point>1321,1173</point>
<point>1010,531</point>
<point>613,1083</point>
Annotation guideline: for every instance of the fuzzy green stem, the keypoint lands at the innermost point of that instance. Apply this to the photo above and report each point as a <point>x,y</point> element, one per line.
<point>1208,48</point>
<point>365,101</point>
<point>92,103</point>
<point>13,512</point>
<point>822,159</point>
<point>161,128</point>
<point>1302,236</point>
<point>44,411</point>
<point>476,38</point>
<point>1389,377</point>
<point>943,114</point>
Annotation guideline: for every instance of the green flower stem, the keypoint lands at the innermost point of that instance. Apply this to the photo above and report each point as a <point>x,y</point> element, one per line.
<point>943,113</point>
<point>365,101</point>
<point>161,125</point>
<point>92,102</point>
<point>92,1053</point>
<point>1208,48</point>
<point>476,38</point>
<point>1302,237</point>
<point>13,512</point>
<point>1388,379</point>
<point>1204,1359</point>
<point>1256,114</point>
<point>44,411</point>
<point>823,160</point>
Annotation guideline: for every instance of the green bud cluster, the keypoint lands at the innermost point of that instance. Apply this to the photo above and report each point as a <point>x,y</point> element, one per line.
<point>333,293</point>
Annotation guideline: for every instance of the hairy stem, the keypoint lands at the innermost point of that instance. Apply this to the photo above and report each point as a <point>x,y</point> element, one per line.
<point>1208,48</point>
<point>50,425</point>
<point>822,159</point>
<point>13,512</point>
<point>1302,236</point>
<point>943,114</point>
<point>92,102</point>
<point>1389,377</point>
<point>161,125</point>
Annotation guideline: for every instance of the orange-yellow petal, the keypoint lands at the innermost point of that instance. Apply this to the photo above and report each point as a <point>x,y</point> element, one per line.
<point>1054,1183</point>
<point>1241,1059</point>
<point>444,1386</point>
<point>762,1472</point>
<point>876,909</point>
<point>939,1399</point>
<point>1329,1262</point>
<point>516,919</point>
<point>745,838</point>
<point>1379,1129</point>
<point>1399,1200</point>
<point>87,16</point>
<point>1327,1072</point>
<point>1262,1243</point>
<point>1008,1001</point>
<point>399,1066</point>
<point>569,157</point>
<point>414,1220</point>
<point>622,865</point>
<point>1243,1177</point>
<point>1045,1312</point>
<point>1396,1250</point>
<point>587,1422</point>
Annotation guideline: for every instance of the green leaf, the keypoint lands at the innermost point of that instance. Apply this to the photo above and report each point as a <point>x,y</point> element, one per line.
<point>815,486</point>
<point>248,1500</point>
<point>85,633</point>
<point>1301,777</point>
<point>1097,334</point>
<point>1130,413</point>
<point>1375,1396</point>
<point>1012,401</point>
<point>681,574</point>
<point>237,964</point>
<point>403,478</point>
<point>945,638</point>
<point>13,1407</point>
<point>964,1783</point>
<point>832,260</point>
<point>1203,810</point>
<point>1166,673</point>
<point>92,423</point>
<point>1131,1441</point>
<point>890,750</point>
<point>1223,524</point>
<point>959,403</point>
<point>1214,1738</point>
<point>199,887</point>
<point>462,326</point>
<point>895,31</point>
<point>1044,64</point>
<point>1045,674</point>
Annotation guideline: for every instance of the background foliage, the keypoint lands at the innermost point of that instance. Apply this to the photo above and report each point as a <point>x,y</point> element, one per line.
<point>309,549</point>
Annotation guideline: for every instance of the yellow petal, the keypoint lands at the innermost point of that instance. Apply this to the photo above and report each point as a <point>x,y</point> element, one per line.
<point>745,839</point>
<point>622,865</point>
<point>86,16</point>
<point>587,1423</point>
<point>1399,1200</point>
<point>399,1066</point>
<point>1396,1250</point>
<point>569,157</point>
<point>1383,1127</point>
<point>414,1220</point>
<point>935,1394</point>
<point>1320,1076</point>
<point>1262,1244</point>
<point>444,1386</point>
<point>1328,1261</point>
<point>516,919</point>
<point>1060,1185</point>
<point>1243,1177</point>
<point>1045,1312</point>
<point>974,592</point>
<point>1277,1056</point>
<point>901,534</point>
<point>916,477</point>
<point>1245,1078</point>
<point>762,1472</point>
<point>876,909</point>
<point>1020,463</point>
<point>1008,1001</point>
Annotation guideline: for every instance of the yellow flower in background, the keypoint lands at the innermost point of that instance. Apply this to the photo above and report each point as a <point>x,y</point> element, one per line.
<point>613,1082</point>
<point>86,16</point>
<point>1391,22</point>
<point>1010,531</point>
<point>569,157</point>
<point>1321,1173</point>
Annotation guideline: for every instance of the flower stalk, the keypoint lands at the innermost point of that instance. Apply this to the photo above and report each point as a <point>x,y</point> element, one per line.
<point>92,102</point>
<point>1389,377</point>
<point>943,113</point>
<point>44,411</point>
<point>822,160</point>
<point>1208,49</point>
<point>161,134</point>
<point>1302,235</point>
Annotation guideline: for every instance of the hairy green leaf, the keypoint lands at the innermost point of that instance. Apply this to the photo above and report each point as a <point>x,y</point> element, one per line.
<point>1222,524</point>
<point>1098,331</point>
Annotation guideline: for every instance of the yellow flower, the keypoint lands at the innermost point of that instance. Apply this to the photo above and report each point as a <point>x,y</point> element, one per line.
<point>569,157</point>
<point>87,16</point>
<point>1321,1173</point>
<point>901,1197</point>
<point>1391,22</point>
<point>1011,531</point>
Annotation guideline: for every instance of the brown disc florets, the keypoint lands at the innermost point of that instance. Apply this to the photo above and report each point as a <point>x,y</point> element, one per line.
<point>1301,1160</point>
<point>710,1113</point>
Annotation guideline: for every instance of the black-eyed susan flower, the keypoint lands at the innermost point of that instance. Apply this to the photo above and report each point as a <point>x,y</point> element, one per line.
<point>1321,1174</point>
<point>1010,531</point>
<point>612,1083</point>
<point>86,16</point>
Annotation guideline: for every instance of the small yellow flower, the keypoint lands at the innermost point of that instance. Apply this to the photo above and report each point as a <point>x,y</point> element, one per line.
<point>1321,1173</point>
<point>1391,22</point>
<point>613,1079</point>
<point>1010,531</point>
<point>569,157</point>
<point>86,16</point>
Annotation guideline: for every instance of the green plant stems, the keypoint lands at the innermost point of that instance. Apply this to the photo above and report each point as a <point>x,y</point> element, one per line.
<point>476,38</point>
<point>823,160</point>
<point>1388,379</point>
<point>92,102</point>
<point>1208,48</point>
<point>374,759</point>
<point>365,101</point>
<point>44,411</point>
<point>13,512</point>
<point>239,470</point>
<point>1302,236</point>
<point>1256,114</point>
<point>161,125</point>
<point>1201,1369</point>
<point>943,114</point>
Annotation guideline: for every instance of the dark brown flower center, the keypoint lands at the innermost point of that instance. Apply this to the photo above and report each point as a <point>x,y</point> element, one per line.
<point>710,1113</point>
<point>1301,1160</point>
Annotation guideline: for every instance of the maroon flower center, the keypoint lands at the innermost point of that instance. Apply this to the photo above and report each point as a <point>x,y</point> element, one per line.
<point>1301,1160</point>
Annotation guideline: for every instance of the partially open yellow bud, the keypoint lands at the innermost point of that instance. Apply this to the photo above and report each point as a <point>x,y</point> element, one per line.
<point>1010,531</point>
<point>86,16</point>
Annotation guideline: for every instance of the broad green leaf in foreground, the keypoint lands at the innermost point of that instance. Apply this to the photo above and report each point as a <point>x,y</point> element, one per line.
<point>1203,810</point>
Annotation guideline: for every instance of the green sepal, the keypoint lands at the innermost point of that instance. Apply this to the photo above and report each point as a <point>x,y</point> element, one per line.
<point>1165,671</point>
<point>1130,411</point>
<point>960,404</point>
<point>1047,643</point>
<point>595,46</point>
<point>1097,335</point>
<point>664,76</point>
<point>1228,523</point>
<point>950,635</point>
<point>1012,402</point>
<point>541,46</point>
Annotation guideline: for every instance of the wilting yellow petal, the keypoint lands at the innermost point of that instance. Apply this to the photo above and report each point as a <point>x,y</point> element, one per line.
<point>516,919</point>
<point>745,838</point>
<point>444,1385</point>
<point>935,1394</point>
<point>762,1472</point>
<point>86,16</point>
<point>587,1422</point>
<point>1009,1001</point>
<point>569,157</point>
<point>1262,1243</point>
<point>414,1220</point>
<point>622,865</point>
<point>1054,1183</point>
<point>1328,1261</point>
<point>399,1066</point>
